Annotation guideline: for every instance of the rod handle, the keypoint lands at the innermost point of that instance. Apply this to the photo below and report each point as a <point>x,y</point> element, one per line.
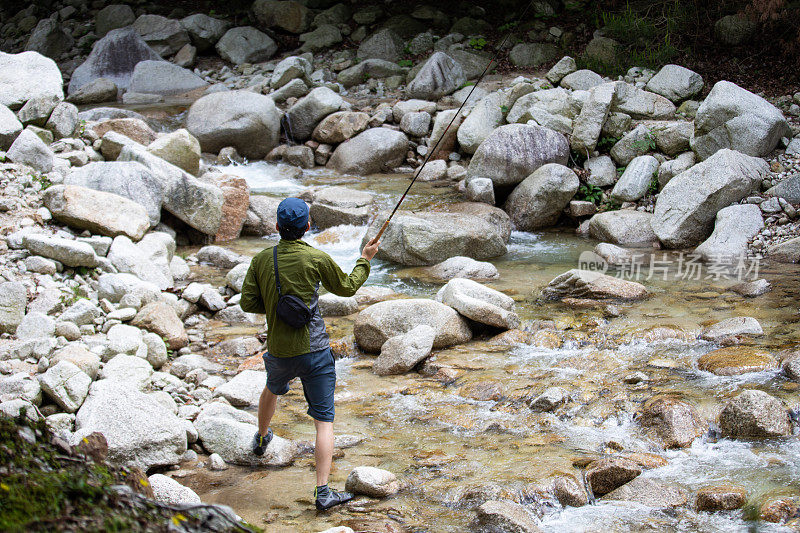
<point>383,228</point>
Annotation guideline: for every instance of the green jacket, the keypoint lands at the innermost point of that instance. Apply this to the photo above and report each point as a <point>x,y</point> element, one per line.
<point>302,268</point>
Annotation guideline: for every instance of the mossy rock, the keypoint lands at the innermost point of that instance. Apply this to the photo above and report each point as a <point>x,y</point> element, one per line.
<point>735,360</point>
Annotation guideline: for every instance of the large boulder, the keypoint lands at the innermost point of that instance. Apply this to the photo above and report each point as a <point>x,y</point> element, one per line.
<point>165,36</point>
<point>440,76</point>
<point>754,414</point>
<point>334,206</point>
<point>303,116</point>
<point>322,38</point>
<point>113,57</point>
<point>28,75</point>
<point>514,151</point>
<point>128,179</point>
<point>293,67</point>
<point>179,148</point>
<point>70,253</point>
<point>734,227</point>
<point>13,299</point>
<point>204,31</point>
<point>583,80</point>
<point>402,353</point>
<point>526,55</point>
<point>340,126</point>
<point>687,205</point>
<point>786,252</point>
<point>148,260</point>
<point>430,238</point>
<point>261,216</point>
<point>587,126</point>
<point>370,152</point>
<point>195,202</point>
<point>95,92</point>
<point>538,201</point>
<point>244,390</point>
<point>385,44</point>
<point>99,212</point>
<point>577,283</point>
<point>66,384</point>
<point>50,39</point>
<point>732,117</point>
<point>370,68</point>
<point>788,189</point>
<point>479,303</point>
<point>246,45</point>
<point>673,423</point>
<point>463,267</point>
<point>484,118</point>
<point>29,149</point>
<point>248,121</point>
<point>380,322</point>
<point>641,104</point>
<point>676,83</point>
<point>112,17</point>
<point>289,16</point>
<point>161,77</point>
<point>372,482</point>
<point>140,431</point>
<point>162,320</point>
<point>626,227</point>
<point>637,179</point>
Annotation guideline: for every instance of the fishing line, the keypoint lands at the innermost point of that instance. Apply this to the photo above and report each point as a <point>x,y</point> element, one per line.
<point>444,133</point>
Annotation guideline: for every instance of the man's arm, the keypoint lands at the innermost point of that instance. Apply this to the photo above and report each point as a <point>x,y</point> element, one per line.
<point>251,301</point>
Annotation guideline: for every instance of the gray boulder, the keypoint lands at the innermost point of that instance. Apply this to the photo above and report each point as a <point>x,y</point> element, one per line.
<point>13,299</point>
<point>440,76</point>
<point>340,126</point>
<point>786,252</point>
<point>29,149</point>
<point>385,44</point>
<point>370,152</point>
<point>463,267</point>
<point>332,305</point>
<point>148,259</point>
<point>734,30</point>
<point>140,431</point>
<point>95,92</point>
<point>65,251</point>
<point>637,178</point>
<point>788,189</point>
<point>504,515</point>
<point>479,303</point>
<point>165,36</point>
<point>161,77</point>
<point>291,68</point>
<point>687,205</point>
<point>339,205</point>
<point>587,126</point>
<point>755,414</point>
<point>372,482</point>
<point>635,143</point>
<point>323,37</point>
<point>244,389</point>
<point>63,120</point>
<point>10,127</point>
<point>167,490</point>
<point>566,65</point>
<point>626,227</point>
<point>20,386</point>
<point>247,121</point>
<point>205,31</point>
<point>672,137</point>
<point>732,117</point>
<point>290,16</point>
<point>369,68</point>
<point>179,148</point>
<point>113,57</point>
<point>303,117</point>
<point>734,227</point>
<point>538,201</point>
<point>261,216</point>
<point>81,313</point>
<point>577,283</point>
<point>480,190</point>
<point>484,118</point>
<point>28,75</point>
<point>526,55</point>
<point>581,80</point>
<point>641,104</point>
<point>66,384</point>
<point>402,353</point>
<point>246,45</point>
<point>36,325</point>
<point>112,17</point>
<point>50,39</point>
<point>514,151</point>
<point>602,171</point>
<point>676,83</point>
<point>380,322</point>
<point>416,124</point>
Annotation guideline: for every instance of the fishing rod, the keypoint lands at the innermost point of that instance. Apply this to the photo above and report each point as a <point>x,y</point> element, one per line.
<point>444,133</point>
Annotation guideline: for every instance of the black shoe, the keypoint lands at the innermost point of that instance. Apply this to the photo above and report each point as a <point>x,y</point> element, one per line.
<point>260,442</point>
<point>330,498</point>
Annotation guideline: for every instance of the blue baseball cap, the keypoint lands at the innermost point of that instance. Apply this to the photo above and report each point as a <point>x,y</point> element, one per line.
<point>293,213</point>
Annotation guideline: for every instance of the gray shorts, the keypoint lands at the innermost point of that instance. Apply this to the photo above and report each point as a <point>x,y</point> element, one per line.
<point>317,372</point>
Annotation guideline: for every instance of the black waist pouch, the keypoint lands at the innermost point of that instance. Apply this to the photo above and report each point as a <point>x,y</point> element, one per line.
<point>290,309</point>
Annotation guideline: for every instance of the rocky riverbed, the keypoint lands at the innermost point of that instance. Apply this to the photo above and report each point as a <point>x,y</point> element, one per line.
<point>585,312</point>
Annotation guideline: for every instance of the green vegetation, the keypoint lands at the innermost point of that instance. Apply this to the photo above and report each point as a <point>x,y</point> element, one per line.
<point>406,63</point>
<point>477,43</point>
<point>504,109</point>
<point>606,143</point>
<point>508,26</point>
<point>653,188</point>
<point>589,193</point>
<point>610,205</point>
<point>41,179</point>
<point>72,297</point>
<point>648,144</point>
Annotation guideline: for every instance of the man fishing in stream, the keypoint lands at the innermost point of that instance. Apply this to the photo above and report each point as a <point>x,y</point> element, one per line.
<point>283,282</point>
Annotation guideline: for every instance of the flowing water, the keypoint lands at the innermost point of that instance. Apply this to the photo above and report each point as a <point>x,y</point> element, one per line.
<point>452,451</point>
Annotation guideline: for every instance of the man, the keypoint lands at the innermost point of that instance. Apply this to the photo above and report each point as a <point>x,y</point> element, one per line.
<point>303,352</point>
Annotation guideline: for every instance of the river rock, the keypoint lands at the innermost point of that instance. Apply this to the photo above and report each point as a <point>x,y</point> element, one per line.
<point>148,259</point>
<point>65,251</point>
<point>28,75</point>
<point>526,55</point>
<point>99,212</point>
<point>290,16</point>
<point>112,17</point>
<point>95,92</point>
<point>10,127</point>
<point>162,77</point>
<point>379,322</point>
<point>293,67</point>
<point>720,498</point>
<point>732,117</point>
<point>244,390</point>
<point>754,414</point>
<point>641,104</point>
<point>179,148</point>
<point>261,216</point>
<point>370,152</point>
<point>81,313</point>
<point>650,492</point>
<point>676,83</point>
<point>13,299</point>
<point>402,353</point>
<point>36,325</point>
<point>538,201</point>
<point>673,423</point>
<point>602,171</point>
<point>339,205</point>
<point>416,124</point>
<point>584,80</point>
<point>139,430</point>
<point>247,121</point>
<point>687,205</point>
<point>402,107</point>
<point>113,57</point>
<point>578,283</point>
<point>635,181</point>
<point>484,118</point>
<point>786,252</point>
<point>131,371</point>
<point>440,75</point>
<point>195,202</point>
<point>50,39</point>
<point>514,151</point>
<point>161,319</point>
<point>204,31</point>
<point>735,226</point>
<point>609,473</point>
<point>20,386</point>
<point>743,325</point>
<point>246,45</point>
<point>369,68</point>
<point>165,36</point>
<point>384,44</point>
<point>340,126</point>
<point>479,303</point>
<point>788,189</point>
<point>167,490</point>
<point>29,149</point>
<point>63,120</point>
<point>303,117</point>
<point>587,126</point>
<point>549,400</point>
<point>669,169</point>
<point>372,482</point>
<point>323,37</point>
<point>625,227</point>
<point>231,437</point>
<point>463,267</point>
<point>735,360</point>
<point>569,491</point>
<point>506,516</point>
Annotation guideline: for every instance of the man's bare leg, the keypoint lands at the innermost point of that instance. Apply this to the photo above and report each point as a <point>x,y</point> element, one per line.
<point>266,410</point>
<point>323,451</point>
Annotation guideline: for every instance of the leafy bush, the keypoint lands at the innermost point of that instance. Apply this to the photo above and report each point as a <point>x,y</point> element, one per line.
<point>405,63</point>
<point>478,43</point>
<point>606,143</point>
<point>589,193</point>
